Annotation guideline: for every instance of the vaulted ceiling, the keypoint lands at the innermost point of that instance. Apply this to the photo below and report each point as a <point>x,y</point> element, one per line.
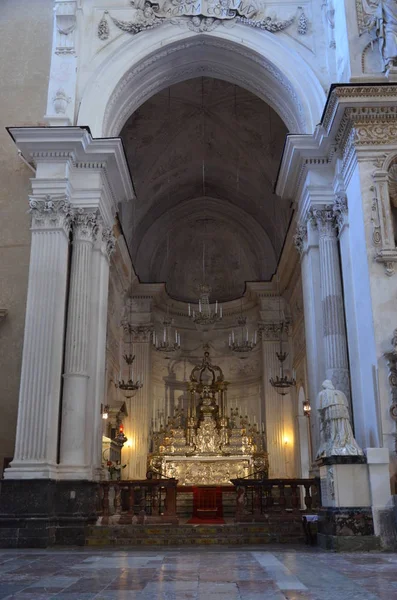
<point>204,156</point>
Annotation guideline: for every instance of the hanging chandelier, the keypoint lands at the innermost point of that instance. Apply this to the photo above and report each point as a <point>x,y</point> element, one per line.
<point>240,341</point>
<point>204,316</point>
<point>169,342</point>
<point>282,383</point>
<point>129,387</point>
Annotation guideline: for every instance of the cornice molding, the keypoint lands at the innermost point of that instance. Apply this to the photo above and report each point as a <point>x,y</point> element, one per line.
<point>357,119</point>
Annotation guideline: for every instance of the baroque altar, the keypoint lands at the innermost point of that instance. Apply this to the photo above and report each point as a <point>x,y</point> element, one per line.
<point>209,445</point>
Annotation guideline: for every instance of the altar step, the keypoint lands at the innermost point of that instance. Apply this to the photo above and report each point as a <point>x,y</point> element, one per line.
<point>275,531</point>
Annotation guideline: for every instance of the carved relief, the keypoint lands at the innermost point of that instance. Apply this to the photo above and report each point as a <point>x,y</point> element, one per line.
<point>85,225</point>
<point>391,358</point>
<point>300,238</point>
<point>340,211</point>
<point>65,18</point>
<point>60,102</point>
<point>51,212</point>
<point>108,240</point>
<point>380,18</point>
<point>202,16</point>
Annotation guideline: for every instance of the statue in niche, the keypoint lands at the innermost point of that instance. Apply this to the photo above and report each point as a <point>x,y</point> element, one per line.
<point>336,434</point>
<point>380,16</point>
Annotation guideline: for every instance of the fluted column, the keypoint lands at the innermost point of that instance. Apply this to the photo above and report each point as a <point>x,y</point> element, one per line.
<point>307,244</point>
<point>274,417</point>
<point>39,397</point>
<point>334,328</point>
<point>139,407</point>
<point>103,248</point>
<point>73,456</point>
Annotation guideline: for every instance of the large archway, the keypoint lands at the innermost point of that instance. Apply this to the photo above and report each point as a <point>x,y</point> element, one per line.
<point>132,70</point>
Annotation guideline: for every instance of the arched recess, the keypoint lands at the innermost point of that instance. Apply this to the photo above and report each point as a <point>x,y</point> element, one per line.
<point>132,69</point>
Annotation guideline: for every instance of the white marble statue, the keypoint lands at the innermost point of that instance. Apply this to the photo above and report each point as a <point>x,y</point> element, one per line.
<point>336,434</point>
<point>381,17</point>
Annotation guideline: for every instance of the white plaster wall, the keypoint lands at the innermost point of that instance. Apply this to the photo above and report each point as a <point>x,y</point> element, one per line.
<point>25,33</point>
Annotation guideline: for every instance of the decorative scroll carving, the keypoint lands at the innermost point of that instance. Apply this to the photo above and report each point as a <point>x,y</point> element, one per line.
<point>323,218</point>
<point>201,16</point>
<point>51,212</point>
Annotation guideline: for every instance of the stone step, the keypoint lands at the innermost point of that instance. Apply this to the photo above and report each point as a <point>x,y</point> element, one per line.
<point>145,535</point>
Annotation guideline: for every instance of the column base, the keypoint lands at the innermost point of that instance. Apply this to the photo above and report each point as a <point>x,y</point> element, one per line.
<point>41,513</point>
<point>31,470</point>
<point>347,529</point>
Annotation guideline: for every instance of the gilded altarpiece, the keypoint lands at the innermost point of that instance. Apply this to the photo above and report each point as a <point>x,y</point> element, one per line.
<point>212,443</point>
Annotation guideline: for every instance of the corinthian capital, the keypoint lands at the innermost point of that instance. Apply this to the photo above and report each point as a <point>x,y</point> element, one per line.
<point>85,225</point>
<point>108,240</point>
<point>340,210</point>
<point>300,238</point>
<point>324,219</point>
<point>50,212</point>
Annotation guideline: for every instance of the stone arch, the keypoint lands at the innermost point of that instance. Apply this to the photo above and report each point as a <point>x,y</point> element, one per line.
<point>136,68</point>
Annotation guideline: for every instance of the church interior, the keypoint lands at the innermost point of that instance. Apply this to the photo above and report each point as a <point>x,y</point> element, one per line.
<point>198,338</point>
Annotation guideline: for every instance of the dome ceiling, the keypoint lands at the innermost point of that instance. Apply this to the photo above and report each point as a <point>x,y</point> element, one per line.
<point>204,156</point>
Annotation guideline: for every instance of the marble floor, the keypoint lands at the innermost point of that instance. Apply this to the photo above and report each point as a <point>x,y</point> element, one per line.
<point>260,573</point>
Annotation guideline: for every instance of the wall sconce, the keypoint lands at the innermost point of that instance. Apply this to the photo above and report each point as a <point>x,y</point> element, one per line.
<point>306,408</point>
<point>105,411</point>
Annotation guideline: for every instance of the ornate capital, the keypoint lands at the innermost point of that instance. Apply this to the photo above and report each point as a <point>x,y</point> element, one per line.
<point>270,332</point>
<point>50,212</point>
<point>141,333</point>
<point>300,238</point>
<point>85,226</point>
<point>108,240</point>
<point>340,210</point>
<point>324,219</point>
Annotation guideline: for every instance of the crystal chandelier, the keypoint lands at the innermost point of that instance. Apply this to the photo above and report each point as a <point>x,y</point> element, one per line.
<point>282,383</point>
<point>130,387</point>
<point>205,316</point>
<point>168,342</point>
<point>240,341</point>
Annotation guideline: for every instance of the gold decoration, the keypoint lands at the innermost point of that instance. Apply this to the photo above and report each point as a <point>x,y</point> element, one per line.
<point>207,447</point>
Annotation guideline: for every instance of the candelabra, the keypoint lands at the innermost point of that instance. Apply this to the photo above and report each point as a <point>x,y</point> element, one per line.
<point>169,343</point>
<point>241,342</point>
<point>282,383</point>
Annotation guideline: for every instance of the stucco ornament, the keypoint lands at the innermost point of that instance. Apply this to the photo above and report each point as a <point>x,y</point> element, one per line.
<point>380,17</point>
<point>336,434</point>
<point>199,16</point>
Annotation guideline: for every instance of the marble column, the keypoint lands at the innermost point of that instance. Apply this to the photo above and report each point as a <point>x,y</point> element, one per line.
<point>139,407</point>
<point>39,398</point>
<point>103,248</point>
<point>274,409</point>
<point>307,243</point>
<point>334,328</point>
<point>74,459</point>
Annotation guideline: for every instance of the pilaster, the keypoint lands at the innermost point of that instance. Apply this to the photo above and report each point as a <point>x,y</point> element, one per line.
<point>278,421</point>
<point>139,407</point>
<point>334,328</point>
<point>102,251</point>
<point>307,243</point>
<point>39,398</point>
<point>74,459</point>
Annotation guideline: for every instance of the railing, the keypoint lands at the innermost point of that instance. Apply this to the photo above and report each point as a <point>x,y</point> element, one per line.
<point>137,501</point>
<point>255,498</point>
